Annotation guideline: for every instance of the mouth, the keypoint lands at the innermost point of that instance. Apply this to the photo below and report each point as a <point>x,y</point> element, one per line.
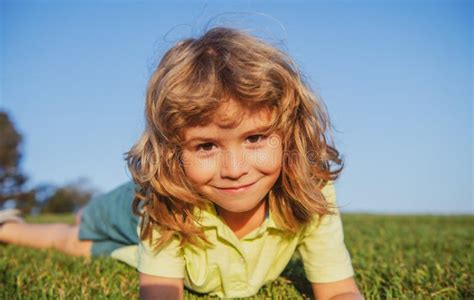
<point>237,189</point>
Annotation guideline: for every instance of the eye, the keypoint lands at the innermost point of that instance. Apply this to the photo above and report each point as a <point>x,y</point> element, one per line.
<point>256,138</point>
<point>205,147</point>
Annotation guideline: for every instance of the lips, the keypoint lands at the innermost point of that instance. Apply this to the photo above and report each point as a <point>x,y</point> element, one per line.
<point>236,189</point>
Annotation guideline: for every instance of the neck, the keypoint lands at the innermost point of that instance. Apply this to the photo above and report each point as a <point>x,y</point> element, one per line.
<point>242,223</point>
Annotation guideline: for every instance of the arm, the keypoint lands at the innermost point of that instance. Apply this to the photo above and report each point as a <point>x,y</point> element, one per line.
<point>339,290</point>
<point>157,288</point>
<point>326,260</point>
<point>161,272</point>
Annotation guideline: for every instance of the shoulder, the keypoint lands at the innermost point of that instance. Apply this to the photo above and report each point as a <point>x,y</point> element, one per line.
<point>329,194</point>
<point>125,190</point>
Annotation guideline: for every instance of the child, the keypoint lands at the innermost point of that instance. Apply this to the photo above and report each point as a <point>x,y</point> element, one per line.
<point>232,175</point>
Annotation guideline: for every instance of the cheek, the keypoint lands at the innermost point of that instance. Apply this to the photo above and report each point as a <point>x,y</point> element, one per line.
<point>198,170</point>
<point>269,159</point>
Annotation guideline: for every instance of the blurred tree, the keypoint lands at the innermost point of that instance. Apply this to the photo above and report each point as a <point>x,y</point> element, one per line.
<point>43,192</point>
<point>12,181</point>
<point>68,198</point>
<point>60,202</point>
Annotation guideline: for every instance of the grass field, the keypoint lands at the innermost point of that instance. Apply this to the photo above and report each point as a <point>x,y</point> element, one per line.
<point>404,257</point>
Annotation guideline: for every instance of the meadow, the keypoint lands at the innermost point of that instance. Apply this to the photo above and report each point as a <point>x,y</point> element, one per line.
<point>395,257</point>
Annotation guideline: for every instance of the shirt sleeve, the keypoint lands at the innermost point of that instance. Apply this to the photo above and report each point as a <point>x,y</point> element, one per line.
<point>168,262</point>
<point>324,254</point>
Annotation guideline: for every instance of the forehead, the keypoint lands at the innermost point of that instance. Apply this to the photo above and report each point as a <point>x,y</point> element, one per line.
<point>230,117</point>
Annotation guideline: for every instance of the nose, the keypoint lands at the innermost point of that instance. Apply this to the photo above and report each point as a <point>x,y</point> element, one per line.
<point>234,164</point>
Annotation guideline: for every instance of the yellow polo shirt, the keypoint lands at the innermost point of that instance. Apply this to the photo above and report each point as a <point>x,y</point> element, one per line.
<point>239,268</point>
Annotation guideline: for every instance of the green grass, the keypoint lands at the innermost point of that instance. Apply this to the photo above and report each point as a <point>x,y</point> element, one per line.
<point>403,257</point>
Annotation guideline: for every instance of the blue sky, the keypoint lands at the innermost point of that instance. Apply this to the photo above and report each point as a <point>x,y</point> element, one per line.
<point>396,77</point>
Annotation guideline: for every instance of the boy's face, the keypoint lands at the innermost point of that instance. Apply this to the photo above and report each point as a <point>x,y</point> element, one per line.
<point>233,167</point>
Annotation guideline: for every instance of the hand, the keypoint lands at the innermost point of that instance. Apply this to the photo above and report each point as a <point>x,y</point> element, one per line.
<point>157,288</point>
<point>339,290</point>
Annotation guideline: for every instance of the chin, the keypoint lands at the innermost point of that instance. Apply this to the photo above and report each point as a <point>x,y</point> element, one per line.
<point>238,208</point>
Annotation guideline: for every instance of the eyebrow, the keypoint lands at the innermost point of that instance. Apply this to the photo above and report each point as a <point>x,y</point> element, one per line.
<point>258,129</point>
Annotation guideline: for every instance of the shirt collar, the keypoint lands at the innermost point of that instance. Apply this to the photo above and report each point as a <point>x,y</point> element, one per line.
<point>208,217</point>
